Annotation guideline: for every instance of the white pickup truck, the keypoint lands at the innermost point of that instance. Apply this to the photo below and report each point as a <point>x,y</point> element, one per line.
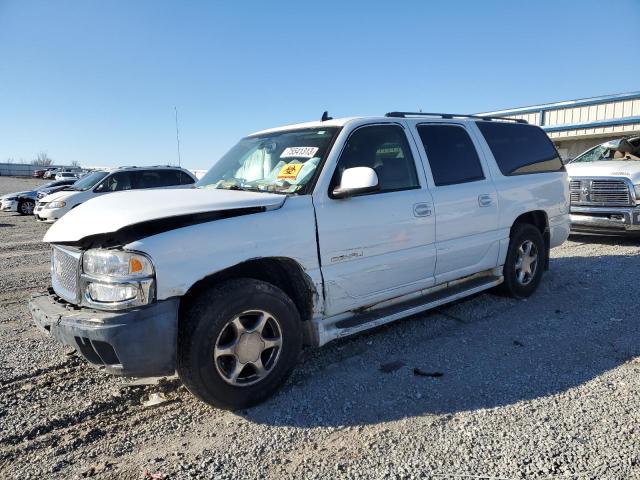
<point>300,235</point>
<point>605,188</point>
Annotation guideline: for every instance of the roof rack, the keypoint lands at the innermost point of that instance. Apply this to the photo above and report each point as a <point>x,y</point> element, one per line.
<point>451,115</point>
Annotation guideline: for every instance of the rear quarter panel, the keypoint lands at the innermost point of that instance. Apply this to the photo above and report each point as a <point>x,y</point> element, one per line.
<point>518,194</point>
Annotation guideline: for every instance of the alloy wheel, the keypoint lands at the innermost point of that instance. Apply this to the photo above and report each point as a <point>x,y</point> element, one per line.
<point>26,208</point>
<point>248,348</point>
<point>526,262</point>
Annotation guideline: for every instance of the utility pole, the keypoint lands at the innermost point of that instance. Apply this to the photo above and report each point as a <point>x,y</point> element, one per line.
<point>177,137</point>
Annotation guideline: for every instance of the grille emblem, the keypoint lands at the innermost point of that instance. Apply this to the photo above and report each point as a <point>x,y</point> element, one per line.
<point>584,190</point>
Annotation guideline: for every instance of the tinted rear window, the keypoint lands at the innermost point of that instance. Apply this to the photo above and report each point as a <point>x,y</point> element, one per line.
<point>520,149</point>
<point>451,154</point>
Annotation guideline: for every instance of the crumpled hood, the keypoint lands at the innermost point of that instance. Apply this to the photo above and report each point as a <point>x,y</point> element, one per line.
<point>114,211</point>
<point>607,168</point>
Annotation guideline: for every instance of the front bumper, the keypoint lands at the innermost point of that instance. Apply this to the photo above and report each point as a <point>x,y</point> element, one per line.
<point>605,219</point>
<point>9,206</point>
<point>46,214</point>
<point>137,343</point>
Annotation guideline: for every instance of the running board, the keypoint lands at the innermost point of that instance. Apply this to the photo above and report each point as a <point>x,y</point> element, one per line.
<point>338,327</point>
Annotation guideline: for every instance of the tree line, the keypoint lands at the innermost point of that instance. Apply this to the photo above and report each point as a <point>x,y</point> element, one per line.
<point>42,160</point>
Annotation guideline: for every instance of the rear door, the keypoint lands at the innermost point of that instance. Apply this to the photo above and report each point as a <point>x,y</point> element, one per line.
<point>377,246</point>
<point>465,200</point>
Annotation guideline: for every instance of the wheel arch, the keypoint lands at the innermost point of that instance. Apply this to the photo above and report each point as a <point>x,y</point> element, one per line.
<point>282,272</point>
<point>540,220</point>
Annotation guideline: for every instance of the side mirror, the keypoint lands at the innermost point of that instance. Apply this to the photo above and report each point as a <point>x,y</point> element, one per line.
<point>356,181</point>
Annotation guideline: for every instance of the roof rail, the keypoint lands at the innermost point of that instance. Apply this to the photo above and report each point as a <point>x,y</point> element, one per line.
<point>451,115</point>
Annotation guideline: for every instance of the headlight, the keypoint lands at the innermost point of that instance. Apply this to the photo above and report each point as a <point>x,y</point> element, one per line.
<point>116,263</point>
<point>56,204</point>
<point>116,279</point>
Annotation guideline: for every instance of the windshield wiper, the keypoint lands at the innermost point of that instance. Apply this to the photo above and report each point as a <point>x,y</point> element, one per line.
<point>243,188</point>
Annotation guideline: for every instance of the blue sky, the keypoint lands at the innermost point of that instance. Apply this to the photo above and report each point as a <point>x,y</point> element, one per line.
<point>96,81</point>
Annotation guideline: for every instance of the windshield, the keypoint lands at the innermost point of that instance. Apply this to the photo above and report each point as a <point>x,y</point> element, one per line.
<point>88,181</point>
<point>623,149</point>
<point>279,162</point>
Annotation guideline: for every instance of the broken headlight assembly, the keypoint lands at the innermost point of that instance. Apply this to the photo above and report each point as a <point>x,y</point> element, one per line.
<point>116,279</point>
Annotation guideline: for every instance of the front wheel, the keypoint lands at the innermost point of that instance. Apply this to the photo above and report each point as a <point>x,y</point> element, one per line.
<point>238,342</point>
<point>25,207</point>
<point>525,261</point>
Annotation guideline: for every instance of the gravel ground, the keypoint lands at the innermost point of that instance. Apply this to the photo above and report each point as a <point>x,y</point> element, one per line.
<point>547,387</point>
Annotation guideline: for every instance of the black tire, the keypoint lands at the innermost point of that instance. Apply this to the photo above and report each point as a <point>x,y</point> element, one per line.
<point>25,207</point>
<point>512,286</point>
<point>204,321</point>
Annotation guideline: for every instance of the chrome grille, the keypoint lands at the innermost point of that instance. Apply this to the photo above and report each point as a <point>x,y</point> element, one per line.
<point>602,192</point>
<point>575,187</point>
<point>65,265</point>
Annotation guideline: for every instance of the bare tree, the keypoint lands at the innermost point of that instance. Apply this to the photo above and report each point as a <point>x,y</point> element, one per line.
<point>42,159</point>
<point>10,160</point>
<point>75,163</point>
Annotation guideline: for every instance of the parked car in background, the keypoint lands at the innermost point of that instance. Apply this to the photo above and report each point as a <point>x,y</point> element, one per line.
<point>11,203</point>
<point>38,173</point>
<point>95,184</point>
<point>24,202</point>
<point>301,235</point>
<point>53,187</point>
<point>50,172</point>
<point>66,175</point>
<point>605,188</point>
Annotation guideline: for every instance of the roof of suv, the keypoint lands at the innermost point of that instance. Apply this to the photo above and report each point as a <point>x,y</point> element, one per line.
<point>136,168</point>
<point>147,167</point>
<point>389,117</point>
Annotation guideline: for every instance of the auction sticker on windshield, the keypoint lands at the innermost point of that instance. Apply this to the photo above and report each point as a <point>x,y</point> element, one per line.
<point>299,152</point>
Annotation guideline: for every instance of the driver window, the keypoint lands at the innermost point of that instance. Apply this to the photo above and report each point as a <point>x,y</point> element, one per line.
<point>116,182</point>
<point>385,149</point>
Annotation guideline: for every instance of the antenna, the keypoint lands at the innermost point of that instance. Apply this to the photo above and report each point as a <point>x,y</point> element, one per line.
<point>177,136</point>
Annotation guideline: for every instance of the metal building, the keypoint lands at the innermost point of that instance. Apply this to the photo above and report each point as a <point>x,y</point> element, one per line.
<point>577,125</point>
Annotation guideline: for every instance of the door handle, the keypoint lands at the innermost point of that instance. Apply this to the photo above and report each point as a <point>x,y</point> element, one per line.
<point>422,210</point>
<point>485,200</point>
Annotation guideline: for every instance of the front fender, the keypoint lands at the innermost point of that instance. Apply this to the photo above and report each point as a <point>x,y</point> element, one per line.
<point>184,256</point>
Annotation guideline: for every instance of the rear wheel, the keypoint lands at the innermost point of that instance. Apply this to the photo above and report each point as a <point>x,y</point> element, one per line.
<point>238,342</point>
<point>25,207</point>
<point>525,261</point>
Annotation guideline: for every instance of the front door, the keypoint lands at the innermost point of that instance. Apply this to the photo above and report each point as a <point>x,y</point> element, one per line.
<point>380,245</point>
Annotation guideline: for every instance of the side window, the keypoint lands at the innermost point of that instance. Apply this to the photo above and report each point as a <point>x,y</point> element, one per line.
<point>185,179</point>
<point>169,177</point>
<point>385,149</point>
<point>114,183</point>
<point>148,179</point>
<point>451,154</point>
<point>157,178</point>
<point>520,148</point>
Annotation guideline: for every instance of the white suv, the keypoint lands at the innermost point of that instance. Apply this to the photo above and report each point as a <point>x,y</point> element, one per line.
<point>95,184</point>
<point>300,235</point>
